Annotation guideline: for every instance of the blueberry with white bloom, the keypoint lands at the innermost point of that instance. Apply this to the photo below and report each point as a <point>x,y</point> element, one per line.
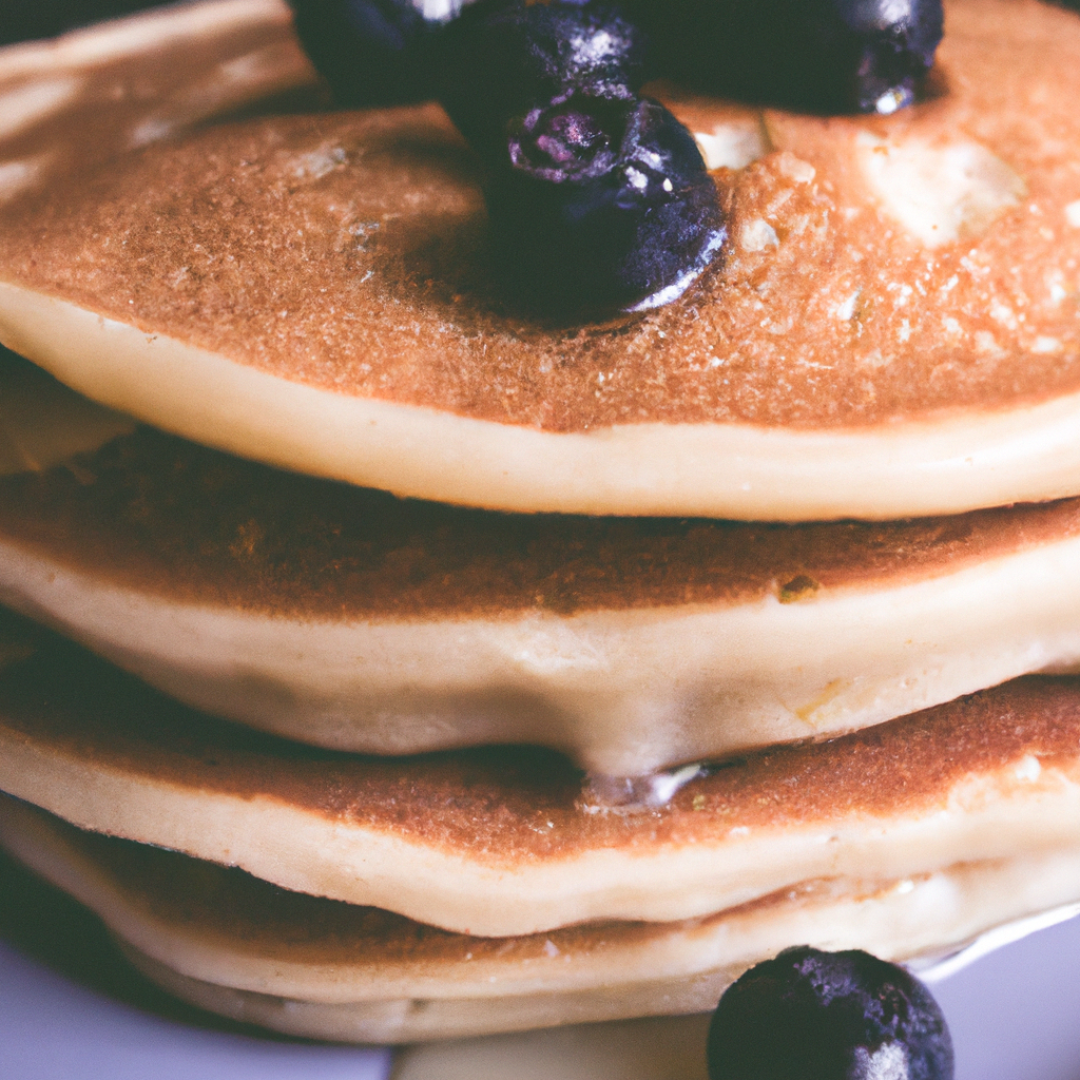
<point>813,1015</point>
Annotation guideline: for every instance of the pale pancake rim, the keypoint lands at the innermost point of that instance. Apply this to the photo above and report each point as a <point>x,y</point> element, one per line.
<point>946,465</point>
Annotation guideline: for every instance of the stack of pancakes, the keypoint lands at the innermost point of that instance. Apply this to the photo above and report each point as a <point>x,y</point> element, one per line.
<point>403,667</point>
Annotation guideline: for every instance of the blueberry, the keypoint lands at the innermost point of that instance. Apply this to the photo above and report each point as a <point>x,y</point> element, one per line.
<point>606,204</point>
<point>372,52</point>
<point>811,1015</point>
<point>501,60</point>
<point>887,47</point>
<point>819,55</point>
<point>598,199</point>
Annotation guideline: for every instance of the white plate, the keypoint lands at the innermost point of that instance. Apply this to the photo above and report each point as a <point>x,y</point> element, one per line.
<point>52,1028</point>
<point>1015,1015</point>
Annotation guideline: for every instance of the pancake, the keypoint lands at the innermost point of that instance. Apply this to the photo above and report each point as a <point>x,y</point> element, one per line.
<point>69,104</point>
<point>349,619</point>
<point>240,947</point>
<point>313,292</point>
<point>499,841</point>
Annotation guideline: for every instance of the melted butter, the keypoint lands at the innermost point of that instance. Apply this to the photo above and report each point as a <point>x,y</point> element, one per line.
<point>733,145</point>
<point>636,794</point>
<point>939,193</point>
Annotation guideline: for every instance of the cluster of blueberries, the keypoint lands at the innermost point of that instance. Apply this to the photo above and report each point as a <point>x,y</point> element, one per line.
<point>598,197</point>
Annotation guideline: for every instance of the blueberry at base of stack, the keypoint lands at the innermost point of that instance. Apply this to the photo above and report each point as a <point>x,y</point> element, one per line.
<point>813,1015</point>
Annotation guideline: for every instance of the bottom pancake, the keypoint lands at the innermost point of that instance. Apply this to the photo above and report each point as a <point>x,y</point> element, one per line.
<point>308,966</point>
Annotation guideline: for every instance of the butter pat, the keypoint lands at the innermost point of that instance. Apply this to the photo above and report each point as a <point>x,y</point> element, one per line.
<point>939,193</point>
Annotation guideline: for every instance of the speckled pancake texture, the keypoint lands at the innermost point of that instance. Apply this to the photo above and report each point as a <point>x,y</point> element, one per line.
<point>351,619</point>
<point>345,251</point>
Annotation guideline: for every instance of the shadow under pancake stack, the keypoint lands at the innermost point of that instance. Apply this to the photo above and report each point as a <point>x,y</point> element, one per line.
<point>384,664</point>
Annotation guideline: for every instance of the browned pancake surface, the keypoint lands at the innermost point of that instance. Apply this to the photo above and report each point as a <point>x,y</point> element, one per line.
<point>182,79</point>
<point>507,805</point>
<point>347,252</point>
<point>162,515</point>
<point>247,911</point>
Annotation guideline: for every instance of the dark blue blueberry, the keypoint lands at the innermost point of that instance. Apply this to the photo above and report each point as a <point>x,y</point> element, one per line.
<point>598,199</point>
<point>25,20</point>
<point>371,52</point>
<point>811,1015</point>
<point>607,206</point>
<point>829,56</point>
<point>501,60</point>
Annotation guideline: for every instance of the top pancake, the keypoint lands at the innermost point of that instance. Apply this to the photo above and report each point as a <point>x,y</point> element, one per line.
<point>316,292</point>
<point>69,104</point>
